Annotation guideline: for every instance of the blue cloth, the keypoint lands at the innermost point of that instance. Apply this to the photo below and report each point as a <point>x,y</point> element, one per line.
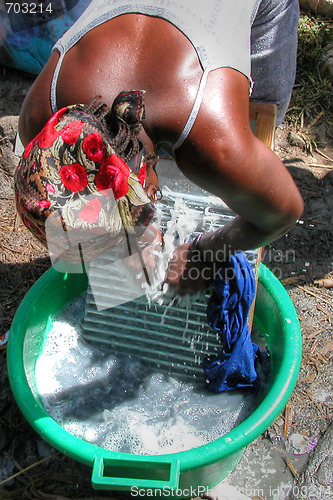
<point>30,49</point>
<point>227,313</point>
<point>32,57</point>
<point>26,40</point>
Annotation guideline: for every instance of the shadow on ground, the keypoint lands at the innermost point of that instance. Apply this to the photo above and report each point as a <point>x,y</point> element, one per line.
<point>305,252</point>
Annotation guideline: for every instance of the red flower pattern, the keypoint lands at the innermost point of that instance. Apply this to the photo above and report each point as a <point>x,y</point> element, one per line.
<point>44,203</point>
<point>71,132</point>
<point>142,173</point>
<point>54,120</point>
<point>47,136</point>
<point>74,177</point>
<point>113,174</point>
<point>94,147</point>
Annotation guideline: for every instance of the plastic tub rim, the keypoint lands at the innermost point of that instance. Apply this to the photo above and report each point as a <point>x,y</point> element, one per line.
<point>232,442</point>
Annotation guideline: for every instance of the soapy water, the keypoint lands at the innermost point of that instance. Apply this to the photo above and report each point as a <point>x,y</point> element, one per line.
<point>118,402</point>
<point>129,271</point>
<point>172,331</point>
<point>116,399</point>
<point>180,220</point>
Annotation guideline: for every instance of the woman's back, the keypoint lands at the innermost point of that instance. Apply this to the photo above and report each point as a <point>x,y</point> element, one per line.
<point>132,51</point>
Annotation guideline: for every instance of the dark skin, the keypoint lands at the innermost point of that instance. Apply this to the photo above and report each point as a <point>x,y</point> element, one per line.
<point>221,154</point>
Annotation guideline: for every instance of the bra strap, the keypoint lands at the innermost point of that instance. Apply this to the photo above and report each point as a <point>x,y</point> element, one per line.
<point>194,113</point>
<point>53,92</point>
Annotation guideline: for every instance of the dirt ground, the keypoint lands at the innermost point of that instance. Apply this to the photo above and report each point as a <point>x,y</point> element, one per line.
<point>31,469</point>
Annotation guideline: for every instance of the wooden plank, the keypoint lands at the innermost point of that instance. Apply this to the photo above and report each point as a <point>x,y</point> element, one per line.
<point>265,115</point>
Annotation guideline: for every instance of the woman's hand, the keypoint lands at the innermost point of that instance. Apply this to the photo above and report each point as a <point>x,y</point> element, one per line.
<point>150,245</point>
<point>187,273</point>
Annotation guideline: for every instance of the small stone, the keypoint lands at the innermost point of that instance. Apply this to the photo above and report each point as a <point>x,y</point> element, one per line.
<point>8,128</point>
<point>295,140</point>
<point>325,472</point>
<point>300,444</point>
<point>319,133</point>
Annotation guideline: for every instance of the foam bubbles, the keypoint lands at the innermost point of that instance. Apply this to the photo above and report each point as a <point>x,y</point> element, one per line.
<point>116,402</point>
<point>182,223</point>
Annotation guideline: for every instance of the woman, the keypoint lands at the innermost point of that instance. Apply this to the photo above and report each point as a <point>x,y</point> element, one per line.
<point>194,65</point>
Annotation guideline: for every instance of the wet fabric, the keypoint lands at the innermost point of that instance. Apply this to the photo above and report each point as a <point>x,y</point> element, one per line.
<point>227,313</point>
<point>76,177</point>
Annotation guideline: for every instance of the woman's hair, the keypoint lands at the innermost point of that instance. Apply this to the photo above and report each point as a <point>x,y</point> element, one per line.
<point>121,124</point>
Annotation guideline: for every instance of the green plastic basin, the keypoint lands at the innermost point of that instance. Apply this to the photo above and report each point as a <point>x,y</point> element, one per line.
<point>179,474</point>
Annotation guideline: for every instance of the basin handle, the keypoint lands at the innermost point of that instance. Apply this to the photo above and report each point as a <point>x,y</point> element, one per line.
<point>135,473</point>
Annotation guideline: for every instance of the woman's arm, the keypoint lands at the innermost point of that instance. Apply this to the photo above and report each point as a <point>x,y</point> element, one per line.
<point>36,107</point>
<point>223,156</point>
